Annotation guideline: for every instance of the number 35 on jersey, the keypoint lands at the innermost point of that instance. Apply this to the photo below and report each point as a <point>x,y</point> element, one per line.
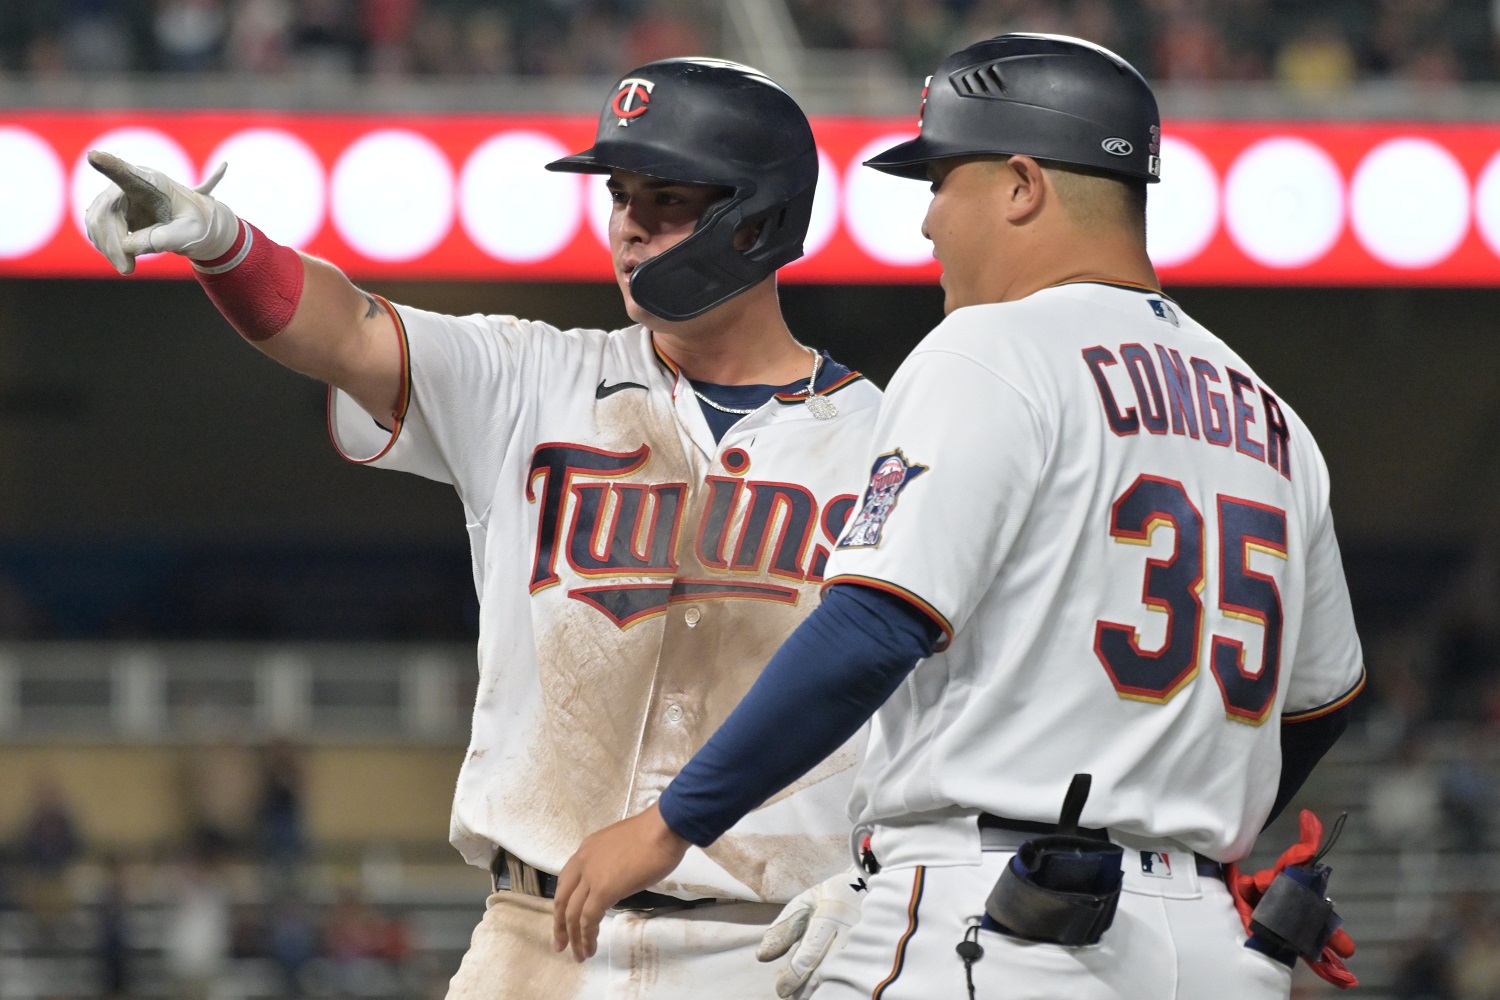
<point>1175,587</point>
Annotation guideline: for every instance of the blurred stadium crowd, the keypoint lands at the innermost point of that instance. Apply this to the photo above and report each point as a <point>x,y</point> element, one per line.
<point>1304,44</point>
<point>243,890</point>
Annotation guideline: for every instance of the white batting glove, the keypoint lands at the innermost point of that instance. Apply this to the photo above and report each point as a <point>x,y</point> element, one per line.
<point>811,927</point>
<point>145,211</point>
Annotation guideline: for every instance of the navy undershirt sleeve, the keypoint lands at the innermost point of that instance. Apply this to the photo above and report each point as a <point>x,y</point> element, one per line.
<point>825,681</point>
<point>1303,744</point>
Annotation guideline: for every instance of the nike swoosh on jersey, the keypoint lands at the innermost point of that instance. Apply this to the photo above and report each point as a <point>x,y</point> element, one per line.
<point>610,390</point>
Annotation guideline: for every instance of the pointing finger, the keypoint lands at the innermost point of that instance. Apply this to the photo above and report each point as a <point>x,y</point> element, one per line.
<point>148,203</point>
<point>111,166</point>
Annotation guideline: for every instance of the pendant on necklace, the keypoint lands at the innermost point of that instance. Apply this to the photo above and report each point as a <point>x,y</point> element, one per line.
<point>822,407</point>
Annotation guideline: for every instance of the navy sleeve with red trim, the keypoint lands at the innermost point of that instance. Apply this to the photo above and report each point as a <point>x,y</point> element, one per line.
<point>825,681</point>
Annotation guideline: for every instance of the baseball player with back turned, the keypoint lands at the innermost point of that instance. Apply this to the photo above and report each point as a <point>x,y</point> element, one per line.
<point>1116,565</point>
<point>650,511</point>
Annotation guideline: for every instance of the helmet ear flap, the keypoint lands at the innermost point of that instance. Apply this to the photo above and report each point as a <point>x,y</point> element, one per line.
<point>707,269</point>
<point>699,273</point>
<point>777,226</point>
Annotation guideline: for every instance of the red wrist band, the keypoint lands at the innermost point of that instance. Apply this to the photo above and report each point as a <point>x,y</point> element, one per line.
<point>256,285</point>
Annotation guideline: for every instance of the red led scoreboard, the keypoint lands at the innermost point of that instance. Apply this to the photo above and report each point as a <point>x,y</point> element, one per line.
<point>465,197</point>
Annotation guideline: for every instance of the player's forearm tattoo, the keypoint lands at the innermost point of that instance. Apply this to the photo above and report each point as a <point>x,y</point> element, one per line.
<point>373,308</point>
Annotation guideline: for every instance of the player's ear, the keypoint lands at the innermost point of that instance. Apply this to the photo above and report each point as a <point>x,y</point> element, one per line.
<point>1026,188</point>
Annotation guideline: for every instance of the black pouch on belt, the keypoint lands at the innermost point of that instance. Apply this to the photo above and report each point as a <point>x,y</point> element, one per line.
<point>1295,913</point>
<point>1060,888</point>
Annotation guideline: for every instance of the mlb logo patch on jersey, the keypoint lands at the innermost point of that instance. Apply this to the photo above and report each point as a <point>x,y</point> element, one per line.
<point>1156,864</point>
<point>1164,310</point>
<point>888,477</point>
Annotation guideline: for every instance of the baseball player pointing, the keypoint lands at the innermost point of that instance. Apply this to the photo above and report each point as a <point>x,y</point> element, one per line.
<point>650,512</point>
<point>1123,635</point>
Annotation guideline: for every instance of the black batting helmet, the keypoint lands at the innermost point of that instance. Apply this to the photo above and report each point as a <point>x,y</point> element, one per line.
<point>1048,96</point>
<point>710,121</point>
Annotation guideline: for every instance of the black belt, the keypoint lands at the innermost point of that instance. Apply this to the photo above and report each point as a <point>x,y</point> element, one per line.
<point>547,889</point>
<point>989,821</point>
<point>1026,829</point>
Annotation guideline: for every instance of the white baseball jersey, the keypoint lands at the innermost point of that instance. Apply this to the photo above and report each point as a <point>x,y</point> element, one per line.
<point>1127,536</point>
<point>633,577</point>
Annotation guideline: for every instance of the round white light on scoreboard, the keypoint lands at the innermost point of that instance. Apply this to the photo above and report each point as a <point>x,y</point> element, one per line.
<point>1409,203</point>
<point>511,206</point>
<point>1182,212</point>
<point>884,213</point>
<point>143,147</point>
<point>33,193</point>
<point>1284,202</point>
<point>275,181</point>
<point>825,209</point>
<point>1487,204</point>
<point>392,195</point>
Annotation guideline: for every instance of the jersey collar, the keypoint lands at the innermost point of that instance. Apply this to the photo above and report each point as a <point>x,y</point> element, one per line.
<point>830,382</point>
<point>1129,286</point>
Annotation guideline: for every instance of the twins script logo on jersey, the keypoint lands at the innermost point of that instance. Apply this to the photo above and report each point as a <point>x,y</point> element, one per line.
<point>890,475</point>
<point>625,541</point>
<point>632,100</point>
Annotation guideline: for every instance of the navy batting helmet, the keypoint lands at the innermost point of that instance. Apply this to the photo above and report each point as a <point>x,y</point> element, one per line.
<point>709,121</point>
<point>1048,96</point>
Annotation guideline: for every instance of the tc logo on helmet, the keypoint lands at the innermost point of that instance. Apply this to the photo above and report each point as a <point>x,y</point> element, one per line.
<point>633,99</point>
<point>1116,146</point>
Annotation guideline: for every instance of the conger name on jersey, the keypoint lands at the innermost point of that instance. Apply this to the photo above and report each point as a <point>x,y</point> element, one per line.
<point>1193,398</point>
<point>604,527</point>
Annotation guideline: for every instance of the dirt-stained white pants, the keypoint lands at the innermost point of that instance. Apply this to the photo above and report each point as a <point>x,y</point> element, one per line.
<point>1175,936</point>
<point>696,954</point>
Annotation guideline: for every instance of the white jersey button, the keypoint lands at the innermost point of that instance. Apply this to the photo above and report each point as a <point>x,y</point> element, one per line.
<point>692,616</point>
<point>674,713</point>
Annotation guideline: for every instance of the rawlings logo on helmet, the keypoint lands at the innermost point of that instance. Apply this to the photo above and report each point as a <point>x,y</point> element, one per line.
<point>632,99</point>
<point>1116,146</point>
<point>922,108</point>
